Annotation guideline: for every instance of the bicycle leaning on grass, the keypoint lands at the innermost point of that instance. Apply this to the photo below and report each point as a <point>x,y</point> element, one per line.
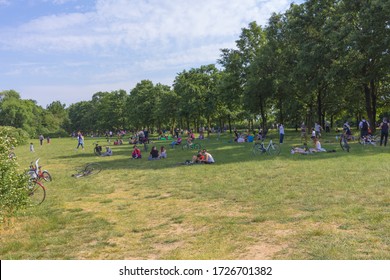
<point>40,174</point>
<point>344,142</point>
<point>260,148</point>
<point>88,169</point>
<point>36,190</point>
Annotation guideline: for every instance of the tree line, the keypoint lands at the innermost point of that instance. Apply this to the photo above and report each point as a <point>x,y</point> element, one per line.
<point>322,60</point>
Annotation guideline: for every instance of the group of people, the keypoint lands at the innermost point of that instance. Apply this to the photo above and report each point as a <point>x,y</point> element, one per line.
<point>203,157</point>
<point>153,155</point>
<point>306,150</point>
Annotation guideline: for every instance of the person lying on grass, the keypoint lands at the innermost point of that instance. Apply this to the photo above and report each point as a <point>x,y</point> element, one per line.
<point>300,150</point>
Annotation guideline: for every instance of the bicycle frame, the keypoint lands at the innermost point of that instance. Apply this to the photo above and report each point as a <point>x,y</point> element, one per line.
<point>39,173</point>
<point>271,148</point>
<point>34,192</point>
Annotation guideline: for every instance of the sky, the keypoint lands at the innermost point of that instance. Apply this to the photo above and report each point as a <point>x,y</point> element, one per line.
<point>67,50</point>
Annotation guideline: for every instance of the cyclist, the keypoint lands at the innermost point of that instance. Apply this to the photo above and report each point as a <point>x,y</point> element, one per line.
<point>347,131</point>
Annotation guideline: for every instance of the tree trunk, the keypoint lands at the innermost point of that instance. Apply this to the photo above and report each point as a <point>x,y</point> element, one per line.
<point>230,123</point>
<point>370,102</point>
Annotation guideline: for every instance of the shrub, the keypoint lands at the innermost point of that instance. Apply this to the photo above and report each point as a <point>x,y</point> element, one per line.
<point>17,136</point>
<point>13,194</point>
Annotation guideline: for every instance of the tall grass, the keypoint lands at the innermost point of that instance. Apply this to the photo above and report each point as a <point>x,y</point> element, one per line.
<point>319,206</point>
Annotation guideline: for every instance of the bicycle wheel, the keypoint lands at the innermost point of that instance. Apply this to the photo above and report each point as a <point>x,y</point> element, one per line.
<point>257,150</point>
<point>344,144</point>
<point>196,146</point>
<point>92,168</point>
<point>185,147</point>
<point>46,176</point>
<point>37,194</point>
<point>274,149</point>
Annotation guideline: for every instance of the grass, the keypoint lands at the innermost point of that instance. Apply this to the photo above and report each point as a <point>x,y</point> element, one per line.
<point>320,206</point>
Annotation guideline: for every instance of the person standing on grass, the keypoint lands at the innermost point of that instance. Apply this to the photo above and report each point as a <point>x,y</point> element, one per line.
<point>384,127</point>
<point>303,132</point>
<point>41,139</point>
<point>80,139</point>
<point>364,127</point>
<point>281,133</point>
<point>32,147</point>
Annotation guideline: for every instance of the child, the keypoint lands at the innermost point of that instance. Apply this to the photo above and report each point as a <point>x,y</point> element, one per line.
<point>31,147</point>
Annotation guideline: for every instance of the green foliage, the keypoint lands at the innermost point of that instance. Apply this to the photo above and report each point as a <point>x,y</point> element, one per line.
<point>13,194</point>
<point>15,136</point>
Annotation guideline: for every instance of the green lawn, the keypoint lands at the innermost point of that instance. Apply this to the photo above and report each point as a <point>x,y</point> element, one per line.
<point>320,206</point>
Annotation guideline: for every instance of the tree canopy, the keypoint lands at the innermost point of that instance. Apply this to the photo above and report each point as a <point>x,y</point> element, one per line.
<point>318,61</point>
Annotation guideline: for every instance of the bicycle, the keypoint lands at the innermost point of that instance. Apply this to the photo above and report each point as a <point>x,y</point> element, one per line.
<point>344,142</point>
<point>40,174</point>
<point>368,140</point>
<point>192,146</point>
<point>88,169</point>
<point>272,149</point>
<point>36,190</point>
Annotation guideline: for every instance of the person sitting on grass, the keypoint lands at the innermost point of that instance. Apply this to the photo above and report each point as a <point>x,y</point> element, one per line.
<point>177,142</point>
<point>317,145</point>
<point>208,158</point>
<point>136,154</point>
<point>108,152</point>
<point>163,152</point>
<point>154,154</point>
<point>189,140</point>
<point>198,158</point>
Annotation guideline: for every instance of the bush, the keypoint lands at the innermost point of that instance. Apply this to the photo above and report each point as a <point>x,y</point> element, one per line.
<point>13,193</point>
<point>17,136</point>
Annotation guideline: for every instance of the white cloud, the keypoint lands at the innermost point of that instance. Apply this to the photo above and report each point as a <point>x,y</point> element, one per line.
<point>134,24</point>
<point>4,2</point>
<point>117,43</point>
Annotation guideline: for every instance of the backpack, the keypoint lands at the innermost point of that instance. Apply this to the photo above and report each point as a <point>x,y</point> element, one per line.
<point>365,126</point>
<point>385,127</point>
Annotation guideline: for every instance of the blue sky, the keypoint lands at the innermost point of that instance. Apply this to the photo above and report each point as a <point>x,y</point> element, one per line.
<point>67,50</point>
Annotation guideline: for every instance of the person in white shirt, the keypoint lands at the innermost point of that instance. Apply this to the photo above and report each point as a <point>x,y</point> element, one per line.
<point>281,133</point>
<point>208,158</point>
<point>318,147</point>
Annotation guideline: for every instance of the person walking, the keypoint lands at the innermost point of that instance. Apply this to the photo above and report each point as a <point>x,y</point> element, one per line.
<point>384,127</point>
<point>364,127</point>
<point>41,139</point>
<point>281,133</point>
<point>80,139</point>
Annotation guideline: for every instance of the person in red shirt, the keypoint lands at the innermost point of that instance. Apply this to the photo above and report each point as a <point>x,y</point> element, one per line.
<point>136,154</point>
